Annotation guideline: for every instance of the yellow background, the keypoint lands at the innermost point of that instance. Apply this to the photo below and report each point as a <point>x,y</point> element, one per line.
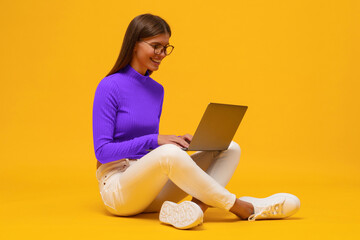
<point>294,63</point>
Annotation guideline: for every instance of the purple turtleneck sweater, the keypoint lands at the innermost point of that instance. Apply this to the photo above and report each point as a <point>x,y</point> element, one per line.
<point>126,115</point>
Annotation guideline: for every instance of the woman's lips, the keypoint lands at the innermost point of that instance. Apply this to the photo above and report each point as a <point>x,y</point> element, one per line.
<point>157,62</point>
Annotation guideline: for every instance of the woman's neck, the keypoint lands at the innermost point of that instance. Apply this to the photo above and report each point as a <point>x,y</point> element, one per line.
<point>138,68</point>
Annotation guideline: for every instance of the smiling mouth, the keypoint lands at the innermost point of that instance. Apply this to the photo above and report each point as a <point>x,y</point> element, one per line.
<point>156,61</point>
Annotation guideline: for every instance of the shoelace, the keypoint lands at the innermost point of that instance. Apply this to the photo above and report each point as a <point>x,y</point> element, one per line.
<point>268,211</point>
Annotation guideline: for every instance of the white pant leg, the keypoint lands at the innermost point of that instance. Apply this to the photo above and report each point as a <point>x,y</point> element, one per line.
<point>131,192</point>
<point>220,165</point>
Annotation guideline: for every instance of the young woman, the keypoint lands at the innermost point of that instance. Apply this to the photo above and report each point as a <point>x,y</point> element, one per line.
<point>126,114</point>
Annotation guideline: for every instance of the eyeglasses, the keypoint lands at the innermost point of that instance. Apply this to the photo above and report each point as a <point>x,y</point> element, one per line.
<point>158,48</point>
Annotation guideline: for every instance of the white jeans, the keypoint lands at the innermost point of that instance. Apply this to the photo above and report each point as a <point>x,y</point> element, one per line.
<point>168,173</point>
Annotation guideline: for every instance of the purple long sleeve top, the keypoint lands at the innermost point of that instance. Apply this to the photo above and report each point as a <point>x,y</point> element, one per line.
<point>126,115</point>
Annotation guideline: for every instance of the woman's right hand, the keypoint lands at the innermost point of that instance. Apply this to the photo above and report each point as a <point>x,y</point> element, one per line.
<point>172,139</point>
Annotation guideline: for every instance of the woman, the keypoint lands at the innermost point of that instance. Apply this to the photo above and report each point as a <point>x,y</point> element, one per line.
<point>126,114</point>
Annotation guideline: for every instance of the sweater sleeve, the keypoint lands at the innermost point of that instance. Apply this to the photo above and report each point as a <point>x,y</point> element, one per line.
<point>161,105</point>
<point>104,116</point>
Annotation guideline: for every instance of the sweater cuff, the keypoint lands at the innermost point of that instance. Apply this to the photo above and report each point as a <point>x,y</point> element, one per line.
<point>154,141</point>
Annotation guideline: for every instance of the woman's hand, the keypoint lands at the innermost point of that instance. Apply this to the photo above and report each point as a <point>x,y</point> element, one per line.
<point>180,141</point>
<point>187,137</point>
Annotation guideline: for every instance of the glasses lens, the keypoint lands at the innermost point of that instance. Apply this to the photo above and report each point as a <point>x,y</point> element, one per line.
<point>168,49</point>
<point>158,49</point>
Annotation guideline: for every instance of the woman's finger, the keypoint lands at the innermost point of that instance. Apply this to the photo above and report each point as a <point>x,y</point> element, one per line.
<point>182,142</point>
<point>176,144</point>
<point>189,136</point>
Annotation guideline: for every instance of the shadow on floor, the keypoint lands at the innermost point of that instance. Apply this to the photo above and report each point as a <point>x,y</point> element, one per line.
<point>211,215</point>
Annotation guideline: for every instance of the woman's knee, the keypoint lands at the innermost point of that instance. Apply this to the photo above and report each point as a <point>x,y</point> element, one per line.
<point>170,155</point>
<point>235,147</point>
<point>171,151</point>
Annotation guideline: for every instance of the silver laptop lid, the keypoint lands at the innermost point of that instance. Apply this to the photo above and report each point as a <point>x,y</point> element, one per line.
<point>217,127</point>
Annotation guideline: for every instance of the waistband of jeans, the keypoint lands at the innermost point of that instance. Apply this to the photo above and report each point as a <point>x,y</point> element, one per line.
<point>110,168</point>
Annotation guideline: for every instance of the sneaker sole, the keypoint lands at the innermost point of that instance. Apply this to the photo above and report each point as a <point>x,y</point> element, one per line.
<point>182,216</point>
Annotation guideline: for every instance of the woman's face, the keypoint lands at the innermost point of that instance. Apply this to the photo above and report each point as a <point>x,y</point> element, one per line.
<point>144,57</point>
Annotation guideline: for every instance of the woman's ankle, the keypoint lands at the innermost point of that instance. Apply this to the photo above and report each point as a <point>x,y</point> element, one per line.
<point>202,205</point>
<point>242,209</point>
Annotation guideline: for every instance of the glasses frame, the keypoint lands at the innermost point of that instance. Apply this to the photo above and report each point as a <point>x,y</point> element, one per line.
<point>163,48</point>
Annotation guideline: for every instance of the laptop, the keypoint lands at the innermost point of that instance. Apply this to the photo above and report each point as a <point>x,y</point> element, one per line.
<point>217,127</point>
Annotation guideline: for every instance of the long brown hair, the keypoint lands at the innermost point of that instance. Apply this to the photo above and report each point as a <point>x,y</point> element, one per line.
<point>142,26</point>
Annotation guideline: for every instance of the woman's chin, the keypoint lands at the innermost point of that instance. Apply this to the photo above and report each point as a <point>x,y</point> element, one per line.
<point>153,69</point>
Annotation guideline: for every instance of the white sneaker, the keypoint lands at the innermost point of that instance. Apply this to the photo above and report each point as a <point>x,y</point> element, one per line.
<point>280,205</point>
<point>183,216</point>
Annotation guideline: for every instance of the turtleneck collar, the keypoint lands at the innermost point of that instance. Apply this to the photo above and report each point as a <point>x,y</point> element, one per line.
<point>135,74</point>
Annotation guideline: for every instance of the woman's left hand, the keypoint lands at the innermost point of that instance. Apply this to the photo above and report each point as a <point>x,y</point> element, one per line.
<point>187,137</point>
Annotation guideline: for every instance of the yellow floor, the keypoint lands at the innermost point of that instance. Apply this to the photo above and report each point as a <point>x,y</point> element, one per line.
<point>294,63</point>
<point>54,206</point>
